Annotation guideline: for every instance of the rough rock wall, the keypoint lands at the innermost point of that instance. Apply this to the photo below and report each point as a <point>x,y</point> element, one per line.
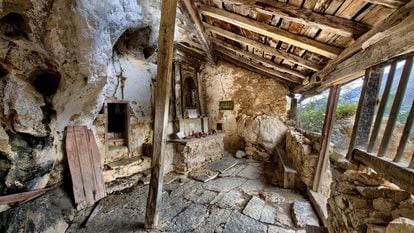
<point>253,95</point>
<point>363,201</point>
<point>56,67</point>
<point>138,78</point>
<point>303,152</point>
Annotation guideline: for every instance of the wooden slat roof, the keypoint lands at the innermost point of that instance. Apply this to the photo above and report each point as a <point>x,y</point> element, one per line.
<point>293,38</point>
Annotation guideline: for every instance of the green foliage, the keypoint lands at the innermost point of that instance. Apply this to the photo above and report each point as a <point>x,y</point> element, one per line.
<point>346,110</point>
<point>311,117</point>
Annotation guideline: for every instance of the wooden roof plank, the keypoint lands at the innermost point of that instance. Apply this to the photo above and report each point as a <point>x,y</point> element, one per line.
<point>232,58</point>
<point>297,75</point>
<point>394,4</point>
<point>267,30</point>
<point>280,53</point>
<point>386,40</point>
<point>198,25</point>
<point>334,24</point>
<point>276,73</point>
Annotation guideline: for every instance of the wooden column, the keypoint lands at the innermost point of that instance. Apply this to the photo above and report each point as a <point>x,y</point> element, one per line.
<point>326,136</point>
<point>293,107</point>
<point>381,108</point>
<point>396,105</point>
<point>405,135</point>
<point>177,90</point>
<point>366,109</point>
<point>162,93</point>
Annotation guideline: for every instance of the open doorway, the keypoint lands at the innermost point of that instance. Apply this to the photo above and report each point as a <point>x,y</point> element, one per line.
<point>117,123</point>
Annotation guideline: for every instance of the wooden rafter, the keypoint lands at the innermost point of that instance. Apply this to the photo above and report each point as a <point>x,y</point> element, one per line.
<point>271,31</point>
<point>198,25</point>
<point>266,48</point>
<point>333,24</point>
<point>386,40</point>
<point>291,75</point>
<point>251,67</point>
<point>389,3</point>
<point>192,52</point>
<point>274,73</point>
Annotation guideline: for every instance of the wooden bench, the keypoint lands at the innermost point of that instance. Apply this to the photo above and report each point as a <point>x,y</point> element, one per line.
<point>285,165</point>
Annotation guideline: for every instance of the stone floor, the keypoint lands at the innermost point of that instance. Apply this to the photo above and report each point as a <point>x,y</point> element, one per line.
<point>235,200</point>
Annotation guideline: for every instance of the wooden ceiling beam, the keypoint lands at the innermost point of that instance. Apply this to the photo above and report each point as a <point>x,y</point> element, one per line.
<point>192,12</point>
<point>251,67</point>
<point>271,71</point>
<point>271,31</point>
<point>292,75</point>
<point>329,23</point>
<point>192,52</point>
<point>395,4</point>
<point>265,48</point>
<point>390,38</point>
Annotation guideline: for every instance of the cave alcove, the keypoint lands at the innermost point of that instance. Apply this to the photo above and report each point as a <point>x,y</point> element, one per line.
<point>46,82</point>
<point>15,25</point>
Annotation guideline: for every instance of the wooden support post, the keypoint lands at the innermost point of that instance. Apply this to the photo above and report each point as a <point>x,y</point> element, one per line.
<point>326,136</point>
<point>366,109</point>
<point>411,162</point>
<point>381,108</point>
<point>293,107</point>
<point>177,90</point>
<point>162,94</point>
<point>396,105</point>
<point>405,135</point>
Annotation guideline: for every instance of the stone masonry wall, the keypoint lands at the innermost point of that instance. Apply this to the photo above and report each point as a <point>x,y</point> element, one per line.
<point>363,201</point>
<point>256,98</point>
<point>198,152</point>
<point>304,154</point>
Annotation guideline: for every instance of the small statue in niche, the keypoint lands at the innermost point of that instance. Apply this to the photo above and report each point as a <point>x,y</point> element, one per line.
<point>190,98</point>
<point>190,93</point>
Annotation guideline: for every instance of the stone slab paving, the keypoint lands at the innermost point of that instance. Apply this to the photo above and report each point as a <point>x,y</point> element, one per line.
<point>303,214</point>
<point>251,172</point>
<point>223,164</point>
<point>201,196</point>
<point>276,229</point>
<point>215,221</point>
<point>232,199</point>
<point>224,184</point>
<point>254,208</point>
<point>242,224</point>
<point>233,170</point>
<point>204,175</point>
<point>268,214</point>
<point>239,202</point>
<point>252,187</point>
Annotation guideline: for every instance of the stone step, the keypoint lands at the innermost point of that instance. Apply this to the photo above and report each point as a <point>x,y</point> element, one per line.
<point>126,167</point>
<point>116,142</point>
<point>115,153</point>
<point>123,183</point>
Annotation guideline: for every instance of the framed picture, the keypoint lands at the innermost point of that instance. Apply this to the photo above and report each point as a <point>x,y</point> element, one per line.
<point>226,105</point>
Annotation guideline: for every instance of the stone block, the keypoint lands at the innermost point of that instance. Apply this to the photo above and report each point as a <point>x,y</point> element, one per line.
<point>375,228</point>
<point>384,204</point>
<point>303,214</point>
<point>254,208</point>
<point>126,167</point>
<point>401,225</point>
